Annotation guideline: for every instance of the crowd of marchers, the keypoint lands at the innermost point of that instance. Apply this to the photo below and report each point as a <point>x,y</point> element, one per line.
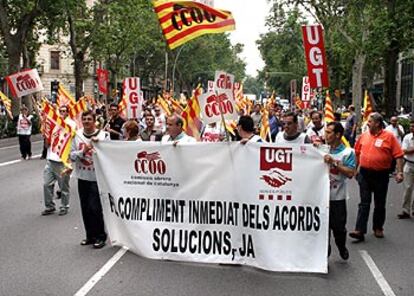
<point>372,157</point>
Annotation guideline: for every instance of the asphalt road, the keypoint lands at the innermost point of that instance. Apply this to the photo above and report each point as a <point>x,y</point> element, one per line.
<point>42,256</point>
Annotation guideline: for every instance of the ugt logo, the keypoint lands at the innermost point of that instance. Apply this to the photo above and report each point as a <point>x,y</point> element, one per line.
<point>275,162</point>
<point>150,163</point>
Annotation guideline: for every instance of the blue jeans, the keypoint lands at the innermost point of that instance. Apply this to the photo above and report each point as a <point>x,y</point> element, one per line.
<point>372,182</point>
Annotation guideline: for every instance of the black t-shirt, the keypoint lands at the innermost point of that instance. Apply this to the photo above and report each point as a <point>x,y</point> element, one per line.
<point>116,124</point>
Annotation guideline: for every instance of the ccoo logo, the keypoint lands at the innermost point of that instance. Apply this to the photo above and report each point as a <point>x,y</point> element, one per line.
<point>150,163</point>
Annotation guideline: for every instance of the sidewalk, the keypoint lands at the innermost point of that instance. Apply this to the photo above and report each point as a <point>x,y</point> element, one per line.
<point>14,141</point>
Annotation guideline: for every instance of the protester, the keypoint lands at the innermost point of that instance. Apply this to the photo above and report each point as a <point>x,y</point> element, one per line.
<point>212,133</point>
<point>290,132</point>
<point>52,173</point>
<point>351,126</point>
<point>150,133</point>
<point>342,166</point>
<point>131,131</point>
<point>114,126</point>
<point>257,117</point>
<point>246,130</point>
<point>396,129</point>
<point>408,148</point>
<point>375,151</point>
<point>81,154</point>
<point>24,131</point>
<point>274,124</point>
<point>317,132</point>
<point>160,120</point>
<point>175,132</point>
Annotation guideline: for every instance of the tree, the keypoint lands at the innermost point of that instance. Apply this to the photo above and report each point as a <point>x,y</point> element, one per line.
<point>17,25</point>
<point>281,49</point>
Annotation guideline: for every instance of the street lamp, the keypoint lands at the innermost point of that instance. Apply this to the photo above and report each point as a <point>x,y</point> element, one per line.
<point>175,64</point>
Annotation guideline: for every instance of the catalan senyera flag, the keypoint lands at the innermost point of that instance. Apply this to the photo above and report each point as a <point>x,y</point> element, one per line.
<point>7,104</point>
<point>164,105</point>
<point>76,110</point>
<point>265,127</point>
<point>122,108</point>
<point>368,109</point>
<point>64,98</point>
<point>329,115</point>
<point>182,21</point>
<point>300,105</point>
<point>191,115</point>
<point>58,134</point>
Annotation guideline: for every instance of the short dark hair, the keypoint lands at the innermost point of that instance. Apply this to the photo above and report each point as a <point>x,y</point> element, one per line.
<point>337,127</point>
<point>64,107</point>
<point>290,113</point>
<point>316,112</point>
<point>246,123</point>
<point>89,112</point>
<point>149,115</point>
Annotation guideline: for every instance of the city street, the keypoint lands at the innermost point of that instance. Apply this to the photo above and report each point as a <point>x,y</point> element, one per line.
<point>41,255</point>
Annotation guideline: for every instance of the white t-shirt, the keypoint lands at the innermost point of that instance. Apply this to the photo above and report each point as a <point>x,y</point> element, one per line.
<point>181,138</point>
<point>24,125</point>
<point>394,130</point>
<point>280,139</point>
<point>315,135</point>
<point>408,142</point>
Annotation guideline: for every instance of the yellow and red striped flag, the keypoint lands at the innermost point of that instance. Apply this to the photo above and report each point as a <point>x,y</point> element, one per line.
<point>64,98</point>
<point>329,115</point>
<point>7,104</point>
<point>58,134</point>
<point>265,127</point>
<point>122,107</point>
<point>191,115</point>
<point>164,105</point>
<point>76,110</point>
<point>182,21</point>
<point>368,109</point>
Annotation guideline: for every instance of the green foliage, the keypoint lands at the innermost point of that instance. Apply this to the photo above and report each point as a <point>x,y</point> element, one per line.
<point>281,49</point>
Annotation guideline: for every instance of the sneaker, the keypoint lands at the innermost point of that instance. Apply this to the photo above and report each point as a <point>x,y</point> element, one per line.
<point>99,243</point>
<point>344,253</point>
<point>48,211</point>
<point>87,241</point>
<point>403,215</point>
<point>357,235</point>
<point>63,211</point>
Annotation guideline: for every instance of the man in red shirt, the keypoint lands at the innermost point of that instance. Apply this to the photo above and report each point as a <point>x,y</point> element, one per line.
<point>375,150</point>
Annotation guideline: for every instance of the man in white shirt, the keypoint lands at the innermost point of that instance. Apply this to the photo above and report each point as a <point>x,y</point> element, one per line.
<point>290,134</point>
<point>52,173</point>
<point>175,132</point>
<point>24,131</point>
<point>396,129</point>
<point>245,128</point>
<point>408,149</point>
<point>317,132</point>
<point>160,120</point>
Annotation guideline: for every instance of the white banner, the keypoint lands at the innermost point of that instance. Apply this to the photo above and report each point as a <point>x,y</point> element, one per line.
<point>212,107</point>
<point>306,92</point>
<point>223,81</point>
<point>24,83</point>
<point>256,204</point>
<point>133,93</point>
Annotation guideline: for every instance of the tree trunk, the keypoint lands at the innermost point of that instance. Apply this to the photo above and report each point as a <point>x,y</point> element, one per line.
<point>78,71</point>
<point>14,66</point>
<point>357,70</point>
<point>390,73</point>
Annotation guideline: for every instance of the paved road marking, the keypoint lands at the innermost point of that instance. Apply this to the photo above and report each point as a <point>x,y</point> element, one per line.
<point>15,146</point>
<point>17,161</point>
<point>382,282</point>
<point>101,272</point>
